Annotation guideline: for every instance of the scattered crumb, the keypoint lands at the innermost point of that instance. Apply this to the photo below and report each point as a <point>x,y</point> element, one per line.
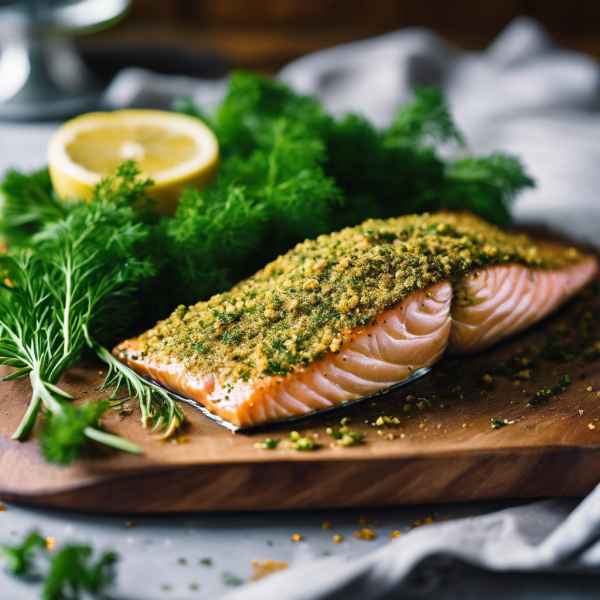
<point>580,412</point>
<point>365,534</point>
<point>326,525</point>
<point>50,543</point>
<point>395,534</point>
<point>2,507</point>
<point>591,426</point>
<point>268,567</point>
<point>129,524</point>
<point>337,538</point>
<point>297,537</point>
<point>589,388</point>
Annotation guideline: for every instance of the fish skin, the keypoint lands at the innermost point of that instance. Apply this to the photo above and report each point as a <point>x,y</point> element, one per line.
<point>479,310</point>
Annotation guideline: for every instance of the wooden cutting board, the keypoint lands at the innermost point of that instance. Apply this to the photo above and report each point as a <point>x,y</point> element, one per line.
<point>448,452</point>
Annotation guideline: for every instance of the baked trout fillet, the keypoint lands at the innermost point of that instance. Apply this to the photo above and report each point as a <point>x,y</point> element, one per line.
<point>355,312</point>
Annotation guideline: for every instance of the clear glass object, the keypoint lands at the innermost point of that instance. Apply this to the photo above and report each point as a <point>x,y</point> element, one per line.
<point>41,75</point>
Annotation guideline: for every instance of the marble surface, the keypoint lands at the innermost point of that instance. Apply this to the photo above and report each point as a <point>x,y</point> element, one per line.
<point>153,548</point>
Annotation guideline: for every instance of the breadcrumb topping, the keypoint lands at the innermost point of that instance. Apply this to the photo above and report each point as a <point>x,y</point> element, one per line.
<point>304,303</point>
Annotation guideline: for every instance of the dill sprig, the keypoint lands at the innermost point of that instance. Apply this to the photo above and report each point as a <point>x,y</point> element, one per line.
<point>290,171</point>
<point>68,289</point>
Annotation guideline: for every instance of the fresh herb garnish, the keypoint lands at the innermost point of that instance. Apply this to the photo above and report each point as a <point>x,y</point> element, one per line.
<point>73,574</point>
<point>497,423</point>
<point>271,443</point>
<point>72,287</point>
<point>20,559</point>
<point>70,573</point>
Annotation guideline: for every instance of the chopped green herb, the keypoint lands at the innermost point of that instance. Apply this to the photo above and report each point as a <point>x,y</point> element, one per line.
<point>271,443</point>
<point>497,423</point>
<point>20,559</point>
<point>229,579</point>
<point>455,393</point>
<point>345,436</point>
<point>565,380</point>
<point>207,562</point>
<point>543,396</point>
<point>423,403</point>
<point>72,574</point>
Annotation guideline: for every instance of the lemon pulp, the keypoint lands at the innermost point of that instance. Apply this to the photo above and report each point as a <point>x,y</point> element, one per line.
<point>174,150</point>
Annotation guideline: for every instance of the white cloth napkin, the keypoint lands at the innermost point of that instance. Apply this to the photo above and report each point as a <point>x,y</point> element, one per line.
<point>427,562</point>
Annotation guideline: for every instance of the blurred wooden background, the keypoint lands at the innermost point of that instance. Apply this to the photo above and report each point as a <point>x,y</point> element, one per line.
<point>266,34</point>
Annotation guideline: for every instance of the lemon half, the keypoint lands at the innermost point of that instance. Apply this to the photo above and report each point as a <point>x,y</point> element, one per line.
<point>175,151</point>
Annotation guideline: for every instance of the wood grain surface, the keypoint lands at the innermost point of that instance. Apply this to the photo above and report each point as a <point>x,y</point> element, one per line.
<point>448,452</point>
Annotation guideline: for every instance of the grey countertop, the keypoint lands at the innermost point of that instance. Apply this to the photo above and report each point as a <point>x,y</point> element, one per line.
<point>160,554</point>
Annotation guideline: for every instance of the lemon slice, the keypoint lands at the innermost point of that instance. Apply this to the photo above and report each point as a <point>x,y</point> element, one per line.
<point>174,150</point>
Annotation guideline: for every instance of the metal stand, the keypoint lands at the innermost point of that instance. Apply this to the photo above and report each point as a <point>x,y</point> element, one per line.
<point>41,74</point>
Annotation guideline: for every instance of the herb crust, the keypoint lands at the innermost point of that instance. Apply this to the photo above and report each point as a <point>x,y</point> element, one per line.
<point>303,304</point>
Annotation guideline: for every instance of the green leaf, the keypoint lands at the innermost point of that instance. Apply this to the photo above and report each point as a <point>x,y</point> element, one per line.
<point>64,434</point>
<point>73,574</point>
<point>20,559</point>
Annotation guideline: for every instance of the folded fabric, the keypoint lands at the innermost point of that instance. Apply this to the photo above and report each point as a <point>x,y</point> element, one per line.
<point>545,536</point>
<point>523,95</point>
